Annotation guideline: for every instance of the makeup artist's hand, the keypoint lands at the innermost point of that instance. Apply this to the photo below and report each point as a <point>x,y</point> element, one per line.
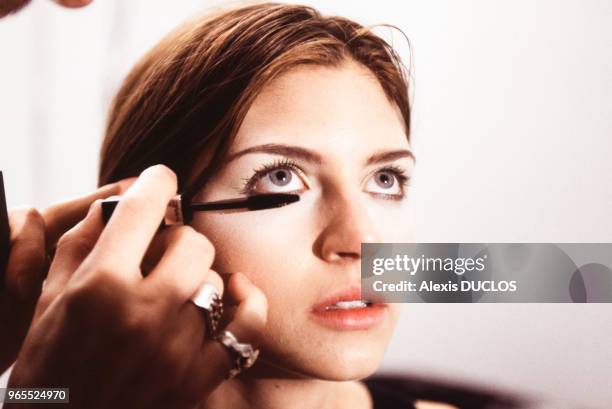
<point>33,236</point>
<point>12,6</point>
<point>121,340</point>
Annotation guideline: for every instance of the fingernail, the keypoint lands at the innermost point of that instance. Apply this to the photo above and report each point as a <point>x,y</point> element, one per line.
<point>158,169</point>
<point>74,3</point>
<point>150,169</point>
<point>93,206</point>
<point>124,184</point>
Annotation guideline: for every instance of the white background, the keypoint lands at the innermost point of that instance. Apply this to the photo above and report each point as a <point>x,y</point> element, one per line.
<point>512,133</point>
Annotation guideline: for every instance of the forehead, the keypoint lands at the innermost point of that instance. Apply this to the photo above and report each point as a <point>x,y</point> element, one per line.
<point>327,109</point>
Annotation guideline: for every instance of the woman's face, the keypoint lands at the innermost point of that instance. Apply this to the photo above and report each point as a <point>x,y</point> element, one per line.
<point>331,136</point>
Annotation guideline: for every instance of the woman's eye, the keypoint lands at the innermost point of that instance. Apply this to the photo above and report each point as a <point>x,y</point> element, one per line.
<point>278,181</point>
<point>385,182</point>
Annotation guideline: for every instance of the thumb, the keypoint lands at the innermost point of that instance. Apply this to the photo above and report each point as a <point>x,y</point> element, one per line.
<point>251,308</point>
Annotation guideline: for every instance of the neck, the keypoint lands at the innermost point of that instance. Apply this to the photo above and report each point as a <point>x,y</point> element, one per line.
<point>255,390</point>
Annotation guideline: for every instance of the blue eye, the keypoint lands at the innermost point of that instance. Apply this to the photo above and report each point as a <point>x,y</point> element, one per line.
<point>385,180</point>
<point>279,177</point>
<point>389,182</point>
<point>284,176</point>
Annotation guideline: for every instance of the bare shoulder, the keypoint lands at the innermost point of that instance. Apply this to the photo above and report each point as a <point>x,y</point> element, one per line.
<point>426,404</point>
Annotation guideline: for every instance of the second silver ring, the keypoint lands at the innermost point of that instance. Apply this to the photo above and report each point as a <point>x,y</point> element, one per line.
<point>207,298</point>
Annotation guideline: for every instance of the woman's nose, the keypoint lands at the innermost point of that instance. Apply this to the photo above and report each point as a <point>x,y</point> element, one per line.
<point>347,225</point>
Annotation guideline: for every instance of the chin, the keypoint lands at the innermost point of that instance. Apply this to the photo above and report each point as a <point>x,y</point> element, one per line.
<point>349,371</point>
<point>332,364</point>
<point>311,351</point>
<point>347,364</point>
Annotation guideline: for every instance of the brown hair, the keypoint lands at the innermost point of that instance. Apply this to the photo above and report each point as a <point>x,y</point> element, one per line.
<point>183,103</point>
<point>11,6</point>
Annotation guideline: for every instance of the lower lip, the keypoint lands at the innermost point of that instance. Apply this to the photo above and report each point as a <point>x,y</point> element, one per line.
<point>351,319</point>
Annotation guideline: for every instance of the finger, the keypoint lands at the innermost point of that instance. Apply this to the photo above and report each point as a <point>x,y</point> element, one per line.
<point>214,361</point>
<point>184,264</point>
<point>251,313</point>
<point>184,336</point>
<point>73,247</point>
<point>26,265</point>
<point>60,217</point>
<point>135,220</point>
<point>73,3</point>
<point>165,239</point>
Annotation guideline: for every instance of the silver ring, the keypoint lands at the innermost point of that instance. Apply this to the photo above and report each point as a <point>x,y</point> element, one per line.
<point>243,354</point>
<point>207,298</point>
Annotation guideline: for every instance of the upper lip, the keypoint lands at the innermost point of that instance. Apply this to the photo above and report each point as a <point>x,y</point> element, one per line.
<point>350,293</point>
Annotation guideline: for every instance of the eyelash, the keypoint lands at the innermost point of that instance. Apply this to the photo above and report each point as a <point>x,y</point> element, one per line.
<point>258,173</point>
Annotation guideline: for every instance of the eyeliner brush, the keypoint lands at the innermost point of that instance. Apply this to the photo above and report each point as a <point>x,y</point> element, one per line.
<point>256,202</point>
<point>179,212</point>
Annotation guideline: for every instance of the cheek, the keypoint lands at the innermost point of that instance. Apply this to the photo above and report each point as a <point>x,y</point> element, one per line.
<point>267,246</point>
<point>393,222</point>
<point>274,249</point>
<point>395,310</point>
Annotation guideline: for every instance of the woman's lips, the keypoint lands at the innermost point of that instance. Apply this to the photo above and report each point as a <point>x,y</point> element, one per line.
<point>358,318</point>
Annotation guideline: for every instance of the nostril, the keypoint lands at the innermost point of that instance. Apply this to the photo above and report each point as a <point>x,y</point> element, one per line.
<point>349,255</point>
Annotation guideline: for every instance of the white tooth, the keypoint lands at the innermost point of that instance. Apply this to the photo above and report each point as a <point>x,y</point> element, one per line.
<point>350,304</point>
<point>345,305</point>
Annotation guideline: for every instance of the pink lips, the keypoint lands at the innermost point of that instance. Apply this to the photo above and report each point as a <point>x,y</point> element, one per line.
<point>348,319</point>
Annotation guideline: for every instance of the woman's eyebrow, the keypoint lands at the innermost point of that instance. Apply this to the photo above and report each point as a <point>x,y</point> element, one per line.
<point>278,149</point>
<point>313,157</point>
<point>389,156</point>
